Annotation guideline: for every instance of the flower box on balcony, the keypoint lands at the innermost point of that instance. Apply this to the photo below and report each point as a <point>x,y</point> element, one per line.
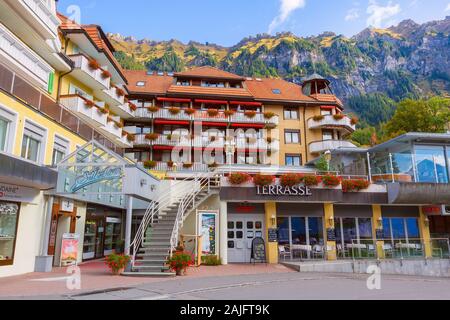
<point>103,110</point>
<point>93,64</point>
<point>229,113</point>
<point>120,92</point>
<point>339,116</point>
<point>263,180</point>
<point>239,178</point>
<point>212,112</point>
<point>269,115</point>
<point>150,164</point>
<point>355,185</point>
<point>170,164</point>
<point>311,181</point>
<point>131,137</point>
<point>187,165</point>
<point>153,109</point>
<point>354,121</point>
<point>330,181</point>
<point>133,107</point>
<point>250,114</point>
<point>290,179</point>
<point>106,74</point>
<point>152,136</point>
<point>174,111</point>
<point>189,111</point>
<point>318,118</point>
<point>89,103</point>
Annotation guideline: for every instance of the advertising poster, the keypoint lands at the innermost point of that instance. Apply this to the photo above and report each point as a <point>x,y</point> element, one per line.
<point>208,231</point>
<point>69,249</point>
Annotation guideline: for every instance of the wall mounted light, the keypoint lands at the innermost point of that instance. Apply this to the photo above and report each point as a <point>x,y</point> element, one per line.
<point>274,220</point>
<point>427,222</point>
<point>331,220</point>
<point>380,222</point>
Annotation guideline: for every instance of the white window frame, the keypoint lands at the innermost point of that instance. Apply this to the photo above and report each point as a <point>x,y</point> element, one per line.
<point>33,127</point>
<point>291,133</point>
<point>11,117</point>
<point>58,144</point>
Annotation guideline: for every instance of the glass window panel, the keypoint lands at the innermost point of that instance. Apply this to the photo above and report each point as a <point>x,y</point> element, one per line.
<point>298,231</point>
<point>315,231</point>
<point>365,228</point>
<point>350,234</point>
<point>283,231</point>
<point>33,149</point>
<point>413,228</point>
<point>430,164</point>
<point>398,228</point>
<point>8,223</point>
<point>231,225</point>
<point>3,133</point>
<point>239,235</point>
<point>258,225</point>
<point>239,225</point>
<point>250,225</point>
<point>337,226</point>
<point>387,228</point>
<point>230,234</point>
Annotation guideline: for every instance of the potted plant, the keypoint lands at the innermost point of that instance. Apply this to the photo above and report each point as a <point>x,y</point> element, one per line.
<point>152,136</point>
<point>120,92</point>
<point>93,64</point>
<point>318,118</point>
<point>211,261</point>
<point>311,181</point>
<point>131,137</point>
<point>239,178</point>
<point>250,114</point>
<point>290,179</point>
<point>354,185</point>
<point>170,164</point>
<point>354,121</point>
<point>189,111</point>
<point>331,181</point>
<point>153,109</point>
<point>229,113</point>
<point>150,164</point>
<point>174,111</point>
<point>187,165</point>
<point>117,263</point>
<point>106,74</point>
<point>339,116</point>
<point>269,115</point>
<point>133,107</point>
<point>213,112</point>
<point>179,262</point>
<point>89,103</point>
<point>263,180</point>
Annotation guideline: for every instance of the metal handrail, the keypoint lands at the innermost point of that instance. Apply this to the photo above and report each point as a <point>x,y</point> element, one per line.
<point>155,207</point>
<point>202,181</point>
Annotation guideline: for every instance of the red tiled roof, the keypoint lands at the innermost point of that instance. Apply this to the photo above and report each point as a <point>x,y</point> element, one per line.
<point>208,72</point>
<point>154,84</point>
<point>263,89</point>
<point>96,35</point>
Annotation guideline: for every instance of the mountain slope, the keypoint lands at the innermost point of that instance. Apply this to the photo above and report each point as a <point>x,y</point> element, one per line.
<point>407,60</point>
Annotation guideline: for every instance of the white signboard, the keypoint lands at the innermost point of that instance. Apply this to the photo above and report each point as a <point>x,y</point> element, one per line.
<point>9,192</point>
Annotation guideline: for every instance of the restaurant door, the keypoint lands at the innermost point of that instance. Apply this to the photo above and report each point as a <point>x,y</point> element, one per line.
<point>93,239</point>
<point>242,230</point>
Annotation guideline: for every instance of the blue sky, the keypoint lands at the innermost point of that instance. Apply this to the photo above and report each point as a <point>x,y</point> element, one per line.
<point>226,22</point>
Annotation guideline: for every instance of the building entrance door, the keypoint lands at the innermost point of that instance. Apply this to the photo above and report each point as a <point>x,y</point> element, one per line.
<point>242,230</point>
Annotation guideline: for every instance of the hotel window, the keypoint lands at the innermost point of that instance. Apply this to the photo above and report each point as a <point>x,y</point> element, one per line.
<point>7,128</point>
<point>4,124</point>
<point>9,214</point>
<point>60,150</point>
<point>327,135</point>
<point>276,91</point>
<point>431,164</point>
<point>291,114</point>
<point>140,84</point>
<point>32,142</point>
<point>294,160</point>
<point>292,136</point>
<point>184,83</point>
<point>326,112</point>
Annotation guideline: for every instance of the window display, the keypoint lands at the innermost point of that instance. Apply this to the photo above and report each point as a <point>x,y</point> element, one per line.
<point>9,213</point>
<point>112,235</point>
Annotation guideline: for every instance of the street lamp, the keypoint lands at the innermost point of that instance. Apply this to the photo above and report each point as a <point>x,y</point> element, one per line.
<point>328,159</point>
<point>230,149</point>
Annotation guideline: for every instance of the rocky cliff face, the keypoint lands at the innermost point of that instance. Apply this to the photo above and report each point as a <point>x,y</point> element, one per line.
<point>401,61</point>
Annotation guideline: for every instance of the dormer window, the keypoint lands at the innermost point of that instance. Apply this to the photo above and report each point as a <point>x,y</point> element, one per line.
<point>209,84</point>
<point>140,84</point>
<point>276,91</point>
<point>183,83</point>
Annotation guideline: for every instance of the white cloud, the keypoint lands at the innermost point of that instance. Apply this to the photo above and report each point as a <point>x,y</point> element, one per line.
<point>352,14</point>
<point>379,14</point>
<point>286,9</point>
<point>448,7</point>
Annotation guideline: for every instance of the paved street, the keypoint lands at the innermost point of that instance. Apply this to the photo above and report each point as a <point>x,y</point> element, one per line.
<point>278,284</point>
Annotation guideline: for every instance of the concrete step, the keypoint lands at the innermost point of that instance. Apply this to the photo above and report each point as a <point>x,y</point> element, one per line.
<point>149,274</point>
<point>156,245</point>
<point>150,268</point>
<point>152,261</point>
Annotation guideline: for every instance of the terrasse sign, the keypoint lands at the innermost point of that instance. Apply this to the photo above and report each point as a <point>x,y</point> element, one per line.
<point>300,191</point>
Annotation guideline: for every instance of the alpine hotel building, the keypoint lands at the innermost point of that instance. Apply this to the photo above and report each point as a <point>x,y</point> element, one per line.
<point>67,107</point>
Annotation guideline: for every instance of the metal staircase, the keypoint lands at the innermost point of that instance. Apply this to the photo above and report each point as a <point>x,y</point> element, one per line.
<point>158,234</point>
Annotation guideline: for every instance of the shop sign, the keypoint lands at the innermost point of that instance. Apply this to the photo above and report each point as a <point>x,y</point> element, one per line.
<point>301,191</point>
<point>259,250</point>
<point>69,249</point>
<point>436,210</point>
<point>273,235</point>
<point>95,176</point>
<point>17,194</point>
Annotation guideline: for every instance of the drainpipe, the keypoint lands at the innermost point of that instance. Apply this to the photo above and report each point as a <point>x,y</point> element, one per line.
<point>305,142</point>
<point>58,94</point>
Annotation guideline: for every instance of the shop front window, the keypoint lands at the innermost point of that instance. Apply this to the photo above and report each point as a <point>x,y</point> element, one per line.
<point>298,231</point>
<point>9,213</point>
<point>283,231</point>
<point>402,235</point>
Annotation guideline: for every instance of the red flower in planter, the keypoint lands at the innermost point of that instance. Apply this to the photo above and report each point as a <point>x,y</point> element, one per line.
<point>106,74</point>
<point>239,178</point>
<point>152,136</point>
<point>354,185</point>
<point>93,64</point>
<point>269,115</point>
<point>263,180</point>
<point>213,112</point>
<point>120,92</point>
<point>250,114</point>
<point>89,103</point>
<point>330,181</point>
<point>290,179</point>
<point>153,109</point>
<point>150,164</point>
<point>311,181</point>
<point>229,113</point>
<point>131,137</point>
<point>133,107</point>
<point>339,116</point>
<point>189,111</point>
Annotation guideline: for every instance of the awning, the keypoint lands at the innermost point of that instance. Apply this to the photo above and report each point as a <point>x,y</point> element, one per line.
<point>243,103</point>
<point>327,107</point>
<point>247,125</point>
<point>172,122</point>
<point>211,124</point>
<point>221,102</point>
<point>173,100</point>
<point>163,148</point>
